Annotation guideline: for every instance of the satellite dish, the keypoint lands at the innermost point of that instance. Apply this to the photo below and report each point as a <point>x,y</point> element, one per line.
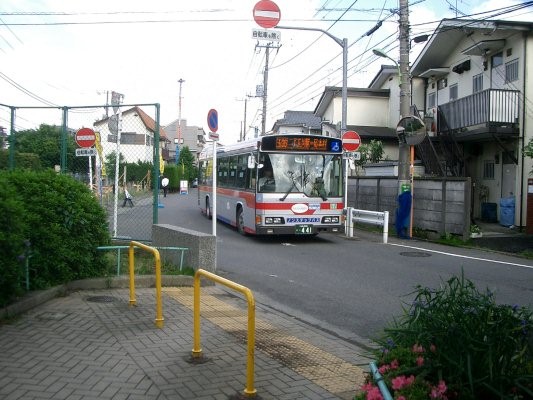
<point>411,130</point>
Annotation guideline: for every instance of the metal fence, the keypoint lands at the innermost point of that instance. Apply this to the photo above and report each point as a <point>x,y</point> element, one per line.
<point>135,172</point>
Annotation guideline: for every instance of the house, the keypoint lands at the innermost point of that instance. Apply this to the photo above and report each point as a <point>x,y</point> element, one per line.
<point>298,122</point>
<point>191,136</point>
<point>370,113</point>
<point>136,136</point>
<point>470,82</point>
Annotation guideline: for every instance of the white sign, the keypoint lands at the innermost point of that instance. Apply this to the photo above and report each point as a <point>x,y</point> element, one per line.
<point>356,155</point>
<point>213,136</point>
<point>83,152</point>
<point>266,34</point>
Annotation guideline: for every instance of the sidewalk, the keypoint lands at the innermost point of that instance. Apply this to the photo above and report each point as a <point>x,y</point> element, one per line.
<point>92,345</point>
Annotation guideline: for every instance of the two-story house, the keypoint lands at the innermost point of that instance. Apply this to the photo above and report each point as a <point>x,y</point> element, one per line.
<point>472,84</point>
<point>305,122</point>
<point>136,136</point>
<point>180,135</point>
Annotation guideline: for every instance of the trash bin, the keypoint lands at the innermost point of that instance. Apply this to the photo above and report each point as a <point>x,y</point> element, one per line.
<point>488,212</point>
<point>507,208</point>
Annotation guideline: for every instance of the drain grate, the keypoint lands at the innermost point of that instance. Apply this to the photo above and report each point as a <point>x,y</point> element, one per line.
<point>101,299</point>
<point>415,254</point>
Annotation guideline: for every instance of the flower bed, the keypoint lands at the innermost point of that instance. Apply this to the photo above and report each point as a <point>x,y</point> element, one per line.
<point>454,343</point>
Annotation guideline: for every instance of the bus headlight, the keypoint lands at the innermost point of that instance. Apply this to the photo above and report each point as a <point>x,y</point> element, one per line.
<point>330,220</point>
<point>274,220</point>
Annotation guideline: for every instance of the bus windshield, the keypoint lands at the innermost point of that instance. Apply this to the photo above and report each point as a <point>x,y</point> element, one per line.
<point>315,175</point>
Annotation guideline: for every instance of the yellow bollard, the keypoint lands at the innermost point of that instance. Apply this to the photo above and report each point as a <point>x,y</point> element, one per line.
<point>249,390</point>
<point>159,305</point>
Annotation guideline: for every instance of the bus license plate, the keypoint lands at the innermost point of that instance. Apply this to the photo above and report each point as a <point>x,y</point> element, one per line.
<point>304,229</point>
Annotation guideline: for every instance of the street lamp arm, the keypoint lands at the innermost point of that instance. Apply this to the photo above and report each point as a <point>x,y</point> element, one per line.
<point>340,42</point>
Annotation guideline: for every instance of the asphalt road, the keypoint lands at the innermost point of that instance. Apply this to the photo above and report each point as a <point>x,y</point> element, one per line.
<point>351,287</point>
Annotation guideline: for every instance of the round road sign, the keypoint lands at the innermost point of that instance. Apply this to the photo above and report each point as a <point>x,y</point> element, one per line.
<point>267,14</point>
<point>212,120</point>
<point>85,137</point>
<point>351,141</point>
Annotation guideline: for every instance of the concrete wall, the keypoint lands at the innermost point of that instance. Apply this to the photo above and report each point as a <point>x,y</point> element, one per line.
<point>440,205</point>
<point>202,246</point>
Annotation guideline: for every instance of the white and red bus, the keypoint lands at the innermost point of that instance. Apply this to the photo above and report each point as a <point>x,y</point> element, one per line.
<point>278,184</point>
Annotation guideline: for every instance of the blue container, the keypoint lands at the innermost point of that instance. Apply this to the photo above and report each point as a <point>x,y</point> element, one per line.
<point>507,209</point>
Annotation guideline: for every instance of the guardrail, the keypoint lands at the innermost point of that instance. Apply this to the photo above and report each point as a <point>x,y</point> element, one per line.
<point>131,259</point>
<point>354,215</point>
<point>249,390</point>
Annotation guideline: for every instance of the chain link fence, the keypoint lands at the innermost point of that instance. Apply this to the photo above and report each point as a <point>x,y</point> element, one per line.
<point>83,142</point>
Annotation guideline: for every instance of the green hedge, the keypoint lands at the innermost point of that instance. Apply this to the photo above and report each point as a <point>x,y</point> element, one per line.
<point>52,222</point>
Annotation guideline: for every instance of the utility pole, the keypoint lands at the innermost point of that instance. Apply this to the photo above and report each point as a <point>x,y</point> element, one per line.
<point>265,85</point>
<point>179,122</point>
<point>405,94</point>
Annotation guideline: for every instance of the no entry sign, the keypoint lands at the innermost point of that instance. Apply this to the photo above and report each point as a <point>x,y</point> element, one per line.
<point>351,141</point>
<point>267,14</point>
<point>85,137</point>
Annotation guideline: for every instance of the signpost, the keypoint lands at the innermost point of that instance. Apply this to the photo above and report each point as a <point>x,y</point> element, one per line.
<point>351,141</point>
<point>212,123</point>
<point>85,137</point>
<point>267,14</point>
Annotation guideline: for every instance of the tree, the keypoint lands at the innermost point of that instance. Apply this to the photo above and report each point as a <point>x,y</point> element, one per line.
<point>528,151</point>
<point>371,152</point>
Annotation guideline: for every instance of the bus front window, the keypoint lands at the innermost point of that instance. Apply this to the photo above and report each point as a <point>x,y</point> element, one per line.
<point>315,175</point>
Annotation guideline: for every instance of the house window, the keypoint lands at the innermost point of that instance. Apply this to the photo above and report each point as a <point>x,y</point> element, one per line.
<point>442,83</point>
<point>488,169</point>
<point>431,100</point>
<point>497,60</point>
<point>477,83</point>
<point>454,89</point>
<point>511,71</point>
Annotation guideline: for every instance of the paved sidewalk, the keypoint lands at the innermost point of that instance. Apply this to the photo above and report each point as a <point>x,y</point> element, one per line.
<point>92,345</point>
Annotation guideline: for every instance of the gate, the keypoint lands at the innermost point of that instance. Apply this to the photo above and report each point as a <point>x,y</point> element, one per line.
<point>130,130</point>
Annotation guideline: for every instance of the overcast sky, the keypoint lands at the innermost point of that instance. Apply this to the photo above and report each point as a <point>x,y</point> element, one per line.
<point>71,53</point>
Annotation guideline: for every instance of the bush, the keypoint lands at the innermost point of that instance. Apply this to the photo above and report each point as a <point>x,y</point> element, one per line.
<point>457,343</point>
<point>61,226</point>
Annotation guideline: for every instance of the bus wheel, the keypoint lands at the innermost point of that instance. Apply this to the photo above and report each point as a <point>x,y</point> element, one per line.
<point>207,209</point>
<point>240,221</point>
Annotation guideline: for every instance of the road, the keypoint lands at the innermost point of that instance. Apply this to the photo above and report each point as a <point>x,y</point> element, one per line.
<point>350,287</point>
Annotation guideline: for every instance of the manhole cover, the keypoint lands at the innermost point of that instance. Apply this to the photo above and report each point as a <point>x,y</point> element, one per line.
<point>414,254</point>
<point>101,299</point>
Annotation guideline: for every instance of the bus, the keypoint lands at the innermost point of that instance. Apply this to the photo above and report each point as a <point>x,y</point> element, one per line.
<point>276,185</point>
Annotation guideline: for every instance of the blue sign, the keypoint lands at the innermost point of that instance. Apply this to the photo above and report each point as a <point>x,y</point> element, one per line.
<point>212,120</point>
<point>336,146</point>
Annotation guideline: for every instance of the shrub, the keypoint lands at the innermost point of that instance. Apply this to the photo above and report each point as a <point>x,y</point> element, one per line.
<point>457,343</point>
<point>62,223</point>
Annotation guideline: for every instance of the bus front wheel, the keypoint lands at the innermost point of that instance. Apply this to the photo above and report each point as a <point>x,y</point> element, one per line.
<point>240,221</point>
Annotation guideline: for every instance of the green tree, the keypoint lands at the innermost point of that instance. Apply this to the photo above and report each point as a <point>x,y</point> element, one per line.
<point>370,153</point>
<point>528,151</point>
<point>46,143</point>
<point>110,166</point>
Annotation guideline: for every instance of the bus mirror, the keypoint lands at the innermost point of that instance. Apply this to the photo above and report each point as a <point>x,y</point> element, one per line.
<point>299,160</point>
<point>251,162</point>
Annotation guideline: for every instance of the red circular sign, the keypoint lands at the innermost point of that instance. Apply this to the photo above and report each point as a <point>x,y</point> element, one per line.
<point>85,137</point>
<point>351,141</point>
<point>267,14</point>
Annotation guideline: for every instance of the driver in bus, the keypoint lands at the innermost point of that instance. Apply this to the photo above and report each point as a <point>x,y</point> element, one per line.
<point>266,182</point>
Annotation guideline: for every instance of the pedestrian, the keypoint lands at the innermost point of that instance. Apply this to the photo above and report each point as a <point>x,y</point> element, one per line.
<point>127,198</point>
<point>164,184</point>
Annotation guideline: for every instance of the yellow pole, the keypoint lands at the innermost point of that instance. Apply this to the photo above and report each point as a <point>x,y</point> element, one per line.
<point>196,350</point>
<point>249,390</point>
<point>131,263</point>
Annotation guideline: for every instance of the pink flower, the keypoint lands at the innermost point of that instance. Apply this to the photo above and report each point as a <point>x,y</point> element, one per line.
<point>374,394</point>
<point>384,368</point>
<point>417,348</point>
<point>401,398</point>
<point>401,381</point>
<point>439,391</point>
<point>394,364</point>
<point>420,361</point>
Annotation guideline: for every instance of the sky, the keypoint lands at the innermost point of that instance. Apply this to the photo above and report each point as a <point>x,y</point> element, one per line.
<point>73,53</point>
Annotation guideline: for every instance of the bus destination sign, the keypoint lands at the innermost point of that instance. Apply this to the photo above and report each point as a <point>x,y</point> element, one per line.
<point>301,143</point>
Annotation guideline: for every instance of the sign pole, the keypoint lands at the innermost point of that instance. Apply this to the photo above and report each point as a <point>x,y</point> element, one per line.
<point>214,207</point>
<point>91,173</point>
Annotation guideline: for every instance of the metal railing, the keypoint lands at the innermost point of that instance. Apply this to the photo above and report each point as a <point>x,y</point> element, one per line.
<point>497,106</point>
<point>354,215</point>
<point>131,259</point>
<point>249,390</point>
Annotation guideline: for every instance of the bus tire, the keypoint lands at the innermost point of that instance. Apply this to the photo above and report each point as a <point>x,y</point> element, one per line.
<point>208,210</point>
<point>240,221</point>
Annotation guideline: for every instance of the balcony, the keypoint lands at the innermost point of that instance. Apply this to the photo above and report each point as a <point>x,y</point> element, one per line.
<point>482,112</point>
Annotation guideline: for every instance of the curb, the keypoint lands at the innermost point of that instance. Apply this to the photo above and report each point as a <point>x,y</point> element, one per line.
<point>38,297</point>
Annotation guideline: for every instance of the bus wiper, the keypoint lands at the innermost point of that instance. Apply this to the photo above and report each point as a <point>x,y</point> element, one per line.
<point>288,191</point>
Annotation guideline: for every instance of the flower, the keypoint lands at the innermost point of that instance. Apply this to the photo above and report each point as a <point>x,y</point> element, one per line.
<point>401,381</point>
<point>439,391</point>
<point>420,361</point>
<point>418,348</point>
